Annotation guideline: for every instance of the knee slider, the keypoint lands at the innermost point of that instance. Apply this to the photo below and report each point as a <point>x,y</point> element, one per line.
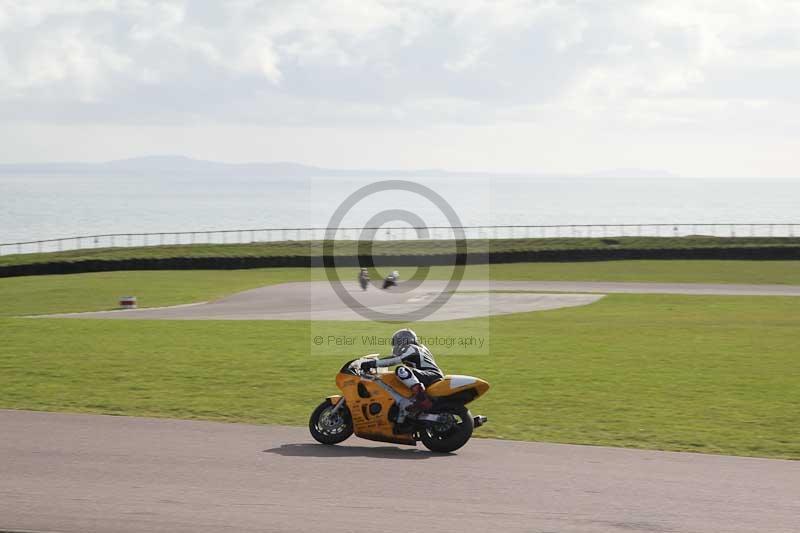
<point>403,372</point>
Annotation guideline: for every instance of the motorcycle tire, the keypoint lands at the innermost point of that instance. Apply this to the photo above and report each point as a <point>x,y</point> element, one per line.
<point>330,432</point>
<point>453,438</point>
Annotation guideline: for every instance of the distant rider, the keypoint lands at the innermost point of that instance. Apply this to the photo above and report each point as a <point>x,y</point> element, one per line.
<point>417,369</point>
<point>363,278</point>
<point>391,280</point>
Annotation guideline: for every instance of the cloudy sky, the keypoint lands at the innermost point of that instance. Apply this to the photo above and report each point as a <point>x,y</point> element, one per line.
<point>695,87</point>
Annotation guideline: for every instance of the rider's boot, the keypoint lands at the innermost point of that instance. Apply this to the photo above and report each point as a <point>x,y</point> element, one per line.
<point>422,402</point>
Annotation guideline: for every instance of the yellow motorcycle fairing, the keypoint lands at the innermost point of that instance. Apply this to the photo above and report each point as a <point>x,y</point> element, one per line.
<point>369,406</point>
<point>466,388</point>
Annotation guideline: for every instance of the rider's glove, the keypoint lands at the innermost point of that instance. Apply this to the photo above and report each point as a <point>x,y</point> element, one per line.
<point>369,364</point>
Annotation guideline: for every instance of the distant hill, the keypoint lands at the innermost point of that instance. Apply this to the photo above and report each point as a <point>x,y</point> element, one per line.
<point>170,165</point>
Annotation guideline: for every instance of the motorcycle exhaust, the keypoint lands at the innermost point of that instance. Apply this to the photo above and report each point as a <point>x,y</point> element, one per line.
<point>478,421</point>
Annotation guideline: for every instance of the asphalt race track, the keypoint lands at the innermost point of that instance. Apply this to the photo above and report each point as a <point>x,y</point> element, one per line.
<point>318,300</point>
<point>88,473</point>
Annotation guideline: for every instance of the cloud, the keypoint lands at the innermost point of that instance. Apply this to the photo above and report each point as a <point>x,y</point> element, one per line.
<point>402,64</point>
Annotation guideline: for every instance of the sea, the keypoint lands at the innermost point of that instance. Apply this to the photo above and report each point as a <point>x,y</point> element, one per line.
<point>46,207</point>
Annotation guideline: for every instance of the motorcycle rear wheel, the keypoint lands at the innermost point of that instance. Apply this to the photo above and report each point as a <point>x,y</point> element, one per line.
<point>329,428</point>
<point>449,439</point>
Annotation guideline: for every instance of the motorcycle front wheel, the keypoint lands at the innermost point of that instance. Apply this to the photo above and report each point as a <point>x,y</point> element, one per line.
<point>450,436</point>
<point>328,427</point>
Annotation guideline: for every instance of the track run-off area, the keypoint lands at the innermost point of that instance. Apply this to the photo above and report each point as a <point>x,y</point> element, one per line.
<point>317,300</point>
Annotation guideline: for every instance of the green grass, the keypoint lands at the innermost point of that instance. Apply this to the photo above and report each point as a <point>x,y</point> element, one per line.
<point>706,374</point>
<point>99,291</point>
<point>703,374</point>
<point>416,247</point>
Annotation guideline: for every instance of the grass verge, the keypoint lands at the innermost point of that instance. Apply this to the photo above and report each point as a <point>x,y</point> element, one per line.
<point>704,374</point>
<point>100,291</point>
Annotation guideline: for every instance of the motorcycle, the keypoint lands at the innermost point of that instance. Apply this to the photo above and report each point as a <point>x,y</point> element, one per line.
<point>391,280</point>
<point>375,406</point>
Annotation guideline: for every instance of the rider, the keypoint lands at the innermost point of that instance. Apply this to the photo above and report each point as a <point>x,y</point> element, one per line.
<point>363,278</point>
<point>417,368</point>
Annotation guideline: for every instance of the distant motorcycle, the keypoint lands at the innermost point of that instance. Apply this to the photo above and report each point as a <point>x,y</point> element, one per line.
<point>375,406</point>
<point>363,279</point>
<point>391,280</point>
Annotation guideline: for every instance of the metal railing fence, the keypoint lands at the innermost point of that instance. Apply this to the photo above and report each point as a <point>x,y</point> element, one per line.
<point>384,233</point>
